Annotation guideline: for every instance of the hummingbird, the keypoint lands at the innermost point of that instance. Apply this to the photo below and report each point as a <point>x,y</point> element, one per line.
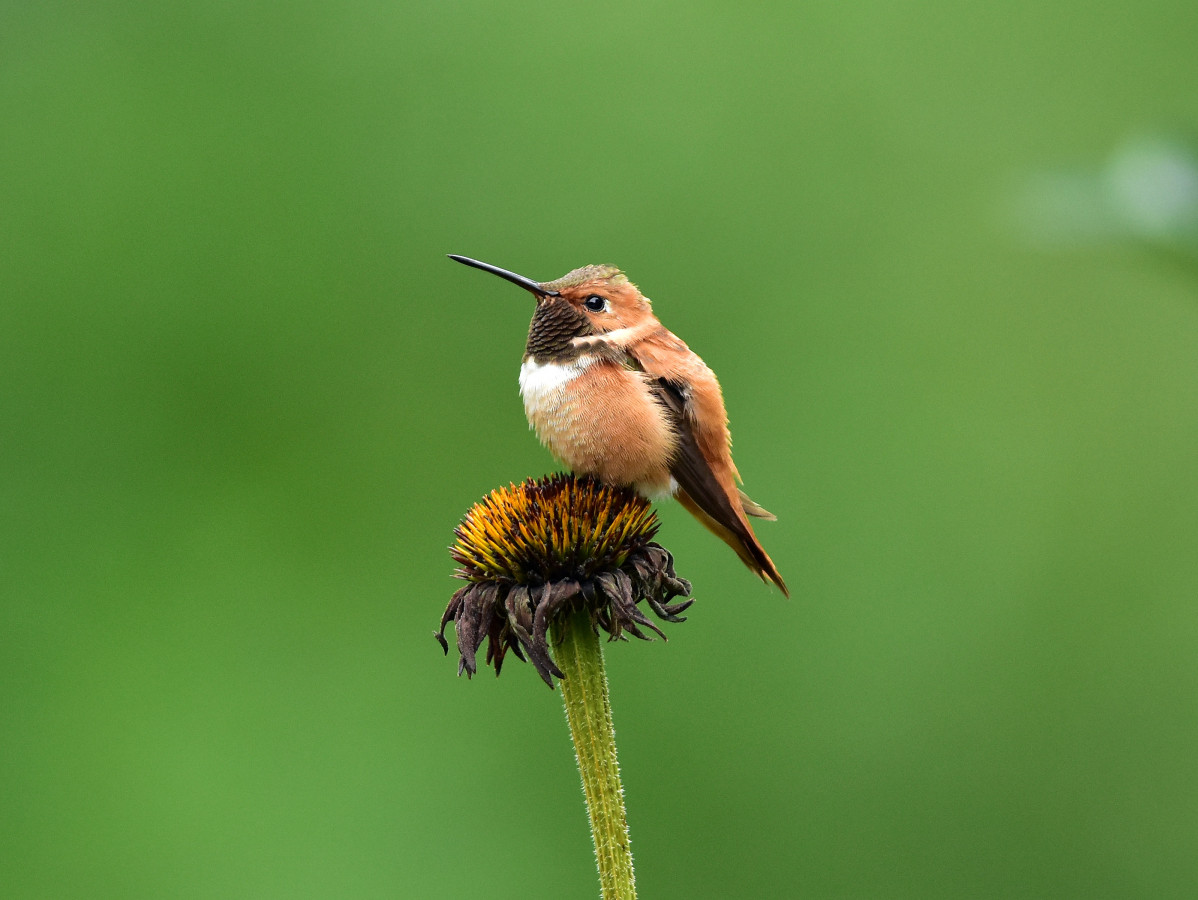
<point>613,393</point>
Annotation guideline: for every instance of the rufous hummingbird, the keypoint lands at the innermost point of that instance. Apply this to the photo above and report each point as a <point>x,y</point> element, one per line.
<point>613,393</point>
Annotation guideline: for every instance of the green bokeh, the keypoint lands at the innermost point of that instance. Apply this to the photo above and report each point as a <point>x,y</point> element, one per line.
<point>244,399</point>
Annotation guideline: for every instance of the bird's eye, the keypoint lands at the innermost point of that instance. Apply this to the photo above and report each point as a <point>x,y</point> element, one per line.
<point>595,303</point>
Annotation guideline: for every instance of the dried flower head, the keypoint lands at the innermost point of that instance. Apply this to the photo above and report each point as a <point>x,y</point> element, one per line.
<point>533,551</point>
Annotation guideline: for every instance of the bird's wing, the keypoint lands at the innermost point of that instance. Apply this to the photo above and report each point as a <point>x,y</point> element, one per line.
<point>688,389</point>
<point>715,502</point>
<point>692,469</point>
<point>702,464</point>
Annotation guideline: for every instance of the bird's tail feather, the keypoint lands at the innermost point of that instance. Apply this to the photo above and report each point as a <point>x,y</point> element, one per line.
<point>741,539</point>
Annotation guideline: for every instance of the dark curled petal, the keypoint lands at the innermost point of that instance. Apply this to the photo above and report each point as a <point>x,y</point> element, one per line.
<point>488,613</point>
<point>675,587</point>
<point>519,612</point>
<point>550,602</point>
<point>593,601</point>
<point>521,618</point>
<point>660,558</point>
<point>601,619</point>
<point>540,602</point>
<point>655,554</point>
<point>491,660</point>
<point>554,597</point>
<point>645,575</point>
<point>474,622</point>
<point>496,642</point>
<point>596,592</point>
<point>514,645</point>
<point>451,613</point>
<point>617,586</point>
<point>626,597</point>
<point>669,613</point>
<point>466,624</point>
<point>664,562</point>
<point>539,657</point>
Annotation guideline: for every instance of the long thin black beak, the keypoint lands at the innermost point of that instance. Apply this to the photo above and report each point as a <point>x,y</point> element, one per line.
<point>527,283</point>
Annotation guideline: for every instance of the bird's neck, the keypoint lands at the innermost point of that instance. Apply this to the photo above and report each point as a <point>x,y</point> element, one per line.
<point>555,325</point>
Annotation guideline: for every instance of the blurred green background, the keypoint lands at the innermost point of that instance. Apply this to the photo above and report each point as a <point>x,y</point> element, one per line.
<point>245,399</point>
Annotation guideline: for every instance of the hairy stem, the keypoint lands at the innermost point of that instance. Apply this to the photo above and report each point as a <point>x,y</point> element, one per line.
<point>588,711</point>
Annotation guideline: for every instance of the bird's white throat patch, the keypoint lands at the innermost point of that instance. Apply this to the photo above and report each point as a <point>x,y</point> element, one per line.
<point>540,383</point>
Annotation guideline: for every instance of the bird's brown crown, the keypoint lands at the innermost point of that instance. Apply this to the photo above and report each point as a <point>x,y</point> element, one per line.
<point>609,274</point>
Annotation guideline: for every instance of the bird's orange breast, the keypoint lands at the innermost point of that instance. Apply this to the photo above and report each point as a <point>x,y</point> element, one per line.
<point>600,418</point>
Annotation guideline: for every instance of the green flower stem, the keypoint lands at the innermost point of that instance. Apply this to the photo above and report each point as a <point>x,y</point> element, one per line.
<point>588,711</point>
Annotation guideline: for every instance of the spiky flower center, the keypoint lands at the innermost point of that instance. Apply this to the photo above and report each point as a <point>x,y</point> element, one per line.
<point>559,527</point>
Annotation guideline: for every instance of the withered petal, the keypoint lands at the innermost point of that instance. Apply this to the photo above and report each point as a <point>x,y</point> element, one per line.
<point>519,609</point>
<point>669,612</point>
<point>496,644</point>
<point>451,613</point>
<point>625,601</point>
<point>675,608</point>
<point>553,598</point>
<point>478,607</point>
<point>514,646</point>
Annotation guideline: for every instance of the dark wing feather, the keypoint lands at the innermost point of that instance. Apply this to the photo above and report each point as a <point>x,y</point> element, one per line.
<point>689,468</point>
<point>700,491</point>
